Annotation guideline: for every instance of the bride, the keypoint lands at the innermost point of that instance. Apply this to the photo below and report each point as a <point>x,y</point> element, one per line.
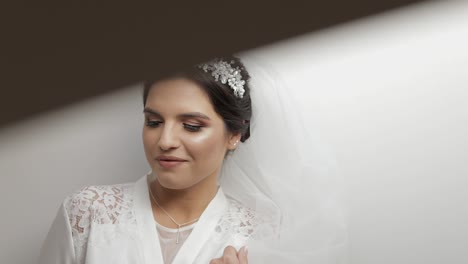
<point>211,190</point>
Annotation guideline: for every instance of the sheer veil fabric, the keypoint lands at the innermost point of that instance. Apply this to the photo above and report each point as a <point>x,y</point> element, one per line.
<point>285,172</point>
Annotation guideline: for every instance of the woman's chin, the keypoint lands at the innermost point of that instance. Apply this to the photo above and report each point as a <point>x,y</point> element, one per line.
<point>170,181</point>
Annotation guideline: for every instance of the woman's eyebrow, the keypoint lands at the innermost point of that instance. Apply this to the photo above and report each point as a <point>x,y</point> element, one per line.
<point>194,114</point>
<point>184,115</point>
<point>151,111</point>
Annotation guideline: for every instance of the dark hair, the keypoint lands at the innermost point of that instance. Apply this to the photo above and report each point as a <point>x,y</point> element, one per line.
<point>236,112</point>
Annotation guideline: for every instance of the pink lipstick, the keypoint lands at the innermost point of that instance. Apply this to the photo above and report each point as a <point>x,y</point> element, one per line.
<point>168,162</point>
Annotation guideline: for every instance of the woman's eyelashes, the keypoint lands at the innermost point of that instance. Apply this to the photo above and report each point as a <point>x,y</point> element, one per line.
<point>192,128</point>
<point>153,123</point>
<point>187,126</point>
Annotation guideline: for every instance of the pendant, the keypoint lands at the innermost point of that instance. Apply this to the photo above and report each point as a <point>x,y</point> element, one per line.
<point>178,234</point>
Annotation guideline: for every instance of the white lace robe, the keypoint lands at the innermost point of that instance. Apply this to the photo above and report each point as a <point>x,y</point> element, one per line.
<point>115,224</point>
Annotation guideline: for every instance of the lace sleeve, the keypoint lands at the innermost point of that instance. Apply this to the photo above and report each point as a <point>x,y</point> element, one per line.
<point>245,223</point>
<point>96,205</point>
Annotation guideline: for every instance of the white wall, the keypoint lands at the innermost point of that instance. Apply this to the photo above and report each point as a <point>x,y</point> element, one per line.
<point>387,93</point>
<point>45,159</point>
<point>390,95</point>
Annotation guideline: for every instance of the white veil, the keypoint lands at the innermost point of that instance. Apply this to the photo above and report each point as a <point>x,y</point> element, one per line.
<point>286,172</point>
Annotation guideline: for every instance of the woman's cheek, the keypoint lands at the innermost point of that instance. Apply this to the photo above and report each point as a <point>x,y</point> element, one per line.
<point>205,144</point>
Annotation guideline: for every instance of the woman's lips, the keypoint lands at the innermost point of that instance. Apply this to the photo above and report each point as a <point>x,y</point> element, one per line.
<point>168,164</point>
<point>169,161</point>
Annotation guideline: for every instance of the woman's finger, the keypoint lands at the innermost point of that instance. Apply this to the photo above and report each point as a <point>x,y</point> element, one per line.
<point>242,255</point>
<point>216,261</point>
<point>230,255</point>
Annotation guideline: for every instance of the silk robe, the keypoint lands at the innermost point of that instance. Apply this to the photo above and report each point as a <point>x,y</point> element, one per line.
<point>115,224</point>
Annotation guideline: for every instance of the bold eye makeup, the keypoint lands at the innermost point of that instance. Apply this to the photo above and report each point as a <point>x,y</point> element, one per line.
<point>192,122</point>
<point>192,128</point>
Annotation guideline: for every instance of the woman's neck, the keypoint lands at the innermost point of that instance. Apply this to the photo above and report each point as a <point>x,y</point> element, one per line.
<point>183,205</point>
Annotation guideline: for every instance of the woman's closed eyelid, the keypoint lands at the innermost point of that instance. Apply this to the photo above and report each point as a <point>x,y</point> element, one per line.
<point>189,126</point>
<point>192,128</point>
<point>152,123</point>
<point>193,122</point>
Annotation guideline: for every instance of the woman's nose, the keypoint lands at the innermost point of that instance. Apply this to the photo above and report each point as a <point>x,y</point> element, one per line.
<point>169,138</point>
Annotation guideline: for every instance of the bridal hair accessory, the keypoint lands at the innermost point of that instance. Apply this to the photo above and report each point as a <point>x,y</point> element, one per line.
<point>223,71</point>
<point>170,217</point>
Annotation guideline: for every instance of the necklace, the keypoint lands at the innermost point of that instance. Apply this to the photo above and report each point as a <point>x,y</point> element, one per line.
<point>170,217</point>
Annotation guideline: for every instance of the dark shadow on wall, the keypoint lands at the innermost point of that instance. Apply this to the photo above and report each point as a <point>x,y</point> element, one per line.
<point>57,54</point>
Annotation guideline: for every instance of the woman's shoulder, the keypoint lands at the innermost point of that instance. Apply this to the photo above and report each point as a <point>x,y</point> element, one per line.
<point>241,212</point>
<point>243,220</point>
<point>106,195</point>
<point>99,203</point>
<point>96,192</point>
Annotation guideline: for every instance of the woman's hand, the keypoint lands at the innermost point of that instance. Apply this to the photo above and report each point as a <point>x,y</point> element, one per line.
<point>231,256</point>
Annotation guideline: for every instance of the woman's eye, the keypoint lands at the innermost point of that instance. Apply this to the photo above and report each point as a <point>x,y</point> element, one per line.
<point>151,123</point>
<point>192,128</point>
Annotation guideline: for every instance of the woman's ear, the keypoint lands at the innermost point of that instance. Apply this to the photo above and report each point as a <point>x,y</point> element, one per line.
<point>233,141</point>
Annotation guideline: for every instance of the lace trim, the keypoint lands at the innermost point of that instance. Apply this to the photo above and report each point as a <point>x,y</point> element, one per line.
<point>243,222</point>
<point>113,205</point>
<point>100,205</point>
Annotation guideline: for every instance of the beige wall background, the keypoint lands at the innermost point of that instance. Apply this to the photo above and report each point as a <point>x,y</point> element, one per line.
<point>388,94</point>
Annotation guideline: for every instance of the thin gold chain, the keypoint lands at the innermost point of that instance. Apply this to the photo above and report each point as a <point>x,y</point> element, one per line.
<point>170,217</point>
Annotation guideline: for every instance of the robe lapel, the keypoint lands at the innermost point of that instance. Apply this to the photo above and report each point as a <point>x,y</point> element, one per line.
<point>146,224</point>
<point>203,229</point>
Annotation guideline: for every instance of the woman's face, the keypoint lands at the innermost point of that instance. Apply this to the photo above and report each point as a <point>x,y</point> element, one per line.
<point>185,140</point>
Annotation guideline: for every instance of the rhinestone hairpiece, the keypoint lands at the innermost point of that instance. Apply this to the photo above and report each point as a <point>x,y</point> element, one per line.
<point>223,72</point>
